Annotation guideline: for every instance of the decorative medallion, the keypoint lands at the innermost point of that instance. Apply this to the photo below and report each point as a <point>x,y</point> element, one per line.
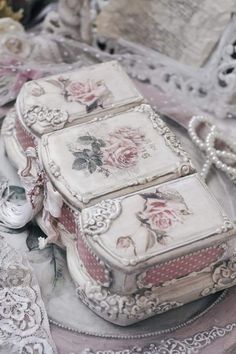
<point>227,226</point>
<point>46,118</point>
<point>97,220</point>
<point>223,276</point>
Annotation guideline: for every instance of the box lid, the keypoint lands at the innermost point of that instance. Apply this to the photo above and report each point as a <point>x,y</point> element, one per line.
<point>112,156</point>
<point>51,103</point>
<point>159,223</point>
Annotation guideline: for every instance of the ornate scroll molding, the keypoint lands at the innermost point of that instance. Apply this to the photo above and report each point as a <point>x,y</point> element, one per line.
<point>97,219</point>
<point>186,167</point>
<point>189,345</point>
<point>223,276</point>
<point>226,226</point>
<point>40,118</point>
<point>128,308</point>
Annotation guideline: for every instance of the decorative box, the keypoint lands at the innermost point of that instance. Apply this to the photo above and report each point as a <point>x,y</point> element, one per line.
<point>153,250</point>
<point>52,103</point>
<point>108,180</point>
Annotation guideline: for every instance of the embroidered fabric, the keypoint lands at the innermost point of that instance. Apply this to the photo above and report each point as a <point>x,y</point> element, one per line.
<point>24,327</point>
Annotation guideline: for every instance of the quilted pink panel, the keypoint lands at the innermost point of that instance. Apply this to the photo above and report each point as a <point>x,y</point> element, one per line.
<point>180,267</point>
<point>67,219</point>
<point>92,264</point>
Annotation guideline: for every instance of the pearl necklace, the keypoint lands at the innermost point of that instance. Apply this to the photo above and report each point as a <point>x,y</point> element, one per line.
<point>221,159</point>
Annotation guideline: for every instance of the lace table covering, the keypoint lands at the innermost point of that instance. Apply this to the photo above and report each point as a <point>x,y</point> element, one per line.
<point>24,327</point>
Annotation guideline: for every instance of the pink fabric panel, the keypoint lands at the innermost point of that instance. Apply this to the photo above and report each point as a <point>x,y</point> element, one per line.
<point>183,266</point>
<point>94,268</point>
<point>24,138</point>
<point>67,219</point>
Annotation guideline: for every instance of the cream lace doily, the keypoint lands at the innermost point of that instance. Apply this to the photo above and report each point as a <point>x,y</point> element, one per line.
<point>24,327</point>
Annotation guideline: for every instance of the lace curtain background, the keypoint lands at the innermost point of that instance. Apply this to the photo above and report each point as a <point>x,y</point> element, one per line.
<point>209,89</point>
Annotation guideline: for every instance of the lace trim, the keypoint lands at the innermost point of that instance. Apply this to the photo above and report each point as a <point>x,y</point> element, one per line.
<point>189,345</point>
<point>24,327</point>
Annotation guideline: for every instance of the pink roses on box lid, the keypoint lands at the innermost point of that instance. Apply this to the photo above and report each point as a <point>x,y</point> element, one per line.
<point>162,210</point>
<point>123,149</point>
<point>91,94</point>
<point>119,150</point>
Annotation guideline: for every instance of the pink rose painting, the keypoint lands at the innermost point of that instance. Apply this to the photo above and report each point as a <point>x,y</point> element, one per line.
<point>123,147</point>
<point>161,212</point>
<point>132,135</point>
<point>120,150</point>
<point>122,156</point>
<point>90,94</point>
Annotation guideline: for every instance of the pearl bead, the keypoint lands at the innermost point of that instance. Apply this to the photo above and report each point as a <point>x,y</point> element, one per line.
<point>213,155</point>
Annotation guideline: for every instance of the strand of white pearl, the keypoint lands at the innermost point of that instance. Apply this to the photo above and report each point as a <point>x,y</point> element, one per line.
<point>213,155</point>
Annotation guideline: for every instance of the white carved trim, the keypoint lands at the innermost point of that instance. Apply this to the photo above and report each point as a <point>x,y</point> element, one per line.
<point>226,226</point>
<point>41,119</point>
<point>97,219</point>
<point>193,344</point>
<point>186,167</point>
<point>130,307</point>
<point>223,276</point>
